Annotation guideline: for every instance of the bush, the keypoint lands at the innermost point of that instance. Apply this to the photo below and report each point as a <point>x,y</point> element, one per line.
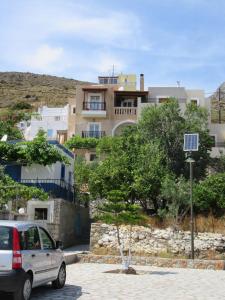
<point>78,142</point>
<point>209,195</point>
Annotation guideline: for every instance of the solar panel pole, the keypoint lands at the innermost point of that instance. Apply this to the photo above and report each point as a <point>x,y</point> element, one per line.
<point>191,161</point>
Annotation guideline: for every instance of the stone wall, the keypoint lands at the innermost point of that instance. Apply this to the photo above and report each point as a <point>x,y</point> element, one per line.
<point>157,242</point>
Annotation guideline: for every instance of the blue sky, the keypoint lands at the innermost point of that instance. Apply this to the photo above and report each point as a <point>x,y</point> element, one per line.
<point>168,41</point>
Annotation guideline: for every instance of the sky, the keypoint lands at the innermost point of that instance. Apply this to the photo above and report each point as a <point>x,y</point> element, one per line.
<point>167,40</point>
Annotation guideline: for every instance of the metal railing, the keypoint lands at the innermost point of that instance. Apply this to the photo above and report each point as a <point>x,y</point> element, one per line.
<point>58,188</point>
<point>93,134</point>
<point>88,105</point>
<point>125,110</point>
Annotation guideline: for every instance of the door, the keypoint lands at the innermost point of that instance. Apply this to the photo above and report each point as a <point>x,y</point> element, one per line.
<point>32,257</point>
<point>94,130</point>
<point>6,237</point>
<point>49,251</point>
<point>95,102</point>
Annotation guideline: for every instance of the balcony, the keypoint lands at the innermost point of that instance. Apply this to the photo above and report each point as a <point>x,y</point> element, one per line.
<point>94,109</point>
<point>56,188</point>
<point>125,111</point>
<point>93,134</point>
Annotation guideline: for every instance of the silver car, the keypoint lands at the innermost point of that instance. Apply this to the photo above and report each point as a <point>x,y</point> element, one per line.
<point>29,257</point>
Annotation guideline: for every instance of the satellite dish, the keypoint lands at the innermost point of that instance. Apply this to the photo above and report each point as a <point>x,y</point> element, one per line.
<point>4,138</point>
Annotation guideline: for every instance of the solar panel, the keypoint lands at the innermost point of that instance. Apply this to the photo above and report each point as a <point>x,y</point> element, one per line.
<point>191,142</point>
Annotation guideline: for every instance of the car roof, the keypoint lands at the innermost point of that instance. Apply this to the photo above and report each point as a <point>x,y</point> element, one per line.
<point>18,224</point>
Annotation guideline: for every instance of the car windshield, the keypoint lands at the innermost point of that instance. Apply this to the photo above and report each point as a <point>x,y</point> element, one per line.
<point>5,238</point>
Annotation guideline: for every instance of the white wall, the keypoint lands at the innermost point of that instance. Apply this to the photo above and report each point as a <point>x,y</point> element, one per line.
<point>53,171</point>
<point>46,120</point>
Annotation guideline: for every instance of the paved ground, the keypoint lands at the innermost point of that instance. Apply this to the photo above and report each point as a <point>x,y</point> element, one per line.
<point>88,281</point>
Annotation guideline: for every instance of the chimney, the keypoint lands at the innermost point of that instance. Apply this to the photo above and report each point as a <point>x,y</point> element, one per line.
<point>142,82</point>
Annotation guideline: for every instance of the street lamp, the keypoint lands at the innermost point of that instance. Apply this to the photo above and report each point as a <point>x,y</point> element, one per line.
<point>191,142</point>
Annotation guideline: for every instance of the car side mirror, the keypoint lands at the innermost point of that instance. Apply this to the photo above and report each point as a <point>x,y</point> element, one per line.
<point>59,245</point>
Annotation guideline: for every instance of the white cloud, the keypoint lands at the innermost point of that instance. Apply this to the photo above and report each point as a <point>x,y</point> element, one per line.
<point>45,58</point>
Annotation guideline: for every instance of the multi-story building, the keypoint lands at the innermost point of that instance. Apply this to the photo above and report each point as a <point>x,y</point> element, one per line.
<point>125,81</point>
<point>53,120</point>
<point>104,109</point>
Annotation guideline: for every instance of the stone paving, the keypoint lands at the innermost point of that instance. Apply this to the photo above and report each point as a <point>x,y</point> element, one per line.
<point>88,281</point>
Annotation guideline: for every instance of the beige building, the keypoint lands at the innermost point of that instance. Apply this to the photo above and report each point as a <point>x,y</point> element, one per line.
<point>104,109</point>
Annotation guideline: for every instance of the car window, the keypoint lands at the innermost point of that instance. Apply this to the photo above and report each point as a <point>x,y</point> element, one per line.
<point>46,240</point>
<point>5,238</point>
<point>30,240</point>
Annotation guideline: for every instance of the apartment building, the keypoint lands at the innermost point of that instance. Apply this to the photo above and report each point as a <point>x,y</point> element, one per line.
<point>105,109</point>
<point>53,120</point>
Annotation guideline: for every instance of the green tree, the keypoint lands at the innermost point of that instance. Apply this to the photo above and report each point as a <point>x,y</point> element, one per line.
<point>11,190</point>
<point>38,151</point>
<point>175,192</point>
<point>167,125</point>
<point>209,194</point>
<point>8,127</point>
<point>118,211</point>
<point>77,142</point>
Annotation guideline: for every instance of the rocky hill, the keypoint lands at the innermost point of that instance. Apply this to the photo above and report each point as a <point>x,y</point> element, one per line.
<point>35,89</point>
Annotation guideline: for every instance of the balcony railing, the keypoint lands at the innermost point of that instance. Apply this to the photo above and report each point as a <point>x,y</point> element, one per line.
<point>93,134</point>
<point>56,188</point>
<point>87,105</point>
<point>125,111</point>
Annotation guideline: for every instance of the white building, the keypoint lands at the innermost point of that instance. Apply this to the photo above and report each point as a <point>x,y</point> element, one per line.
<point>53,120</point>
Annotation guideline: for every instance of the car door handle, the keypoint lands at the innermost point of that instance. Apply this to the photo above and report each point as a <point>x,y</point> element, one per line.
<point>47,254</point>
<point>33,255</point>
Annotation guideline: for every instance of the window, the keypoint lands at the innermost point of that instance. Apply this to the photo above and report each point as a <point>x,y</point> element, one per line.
<point>92,156</point>
<point>213,139</point>
<point>5,238</point>
<point>50,133</point>
<point>57,118</point>
<point>194,102</point>
<point>128,103</point>
<point>47,242</point>
<point>94,129</point>
<point>30,239</point>
<point>74,110</point>
<point>41,214</point>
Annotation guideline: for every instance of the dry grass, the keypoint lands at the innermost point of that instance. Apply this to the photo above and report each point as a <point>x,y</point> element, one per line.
<point>202,224</point>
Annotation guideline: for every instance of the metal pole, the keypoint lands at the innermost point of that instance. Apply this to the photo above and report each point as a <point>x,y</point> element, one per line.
<point>219,107</point>
<point>192,214</point>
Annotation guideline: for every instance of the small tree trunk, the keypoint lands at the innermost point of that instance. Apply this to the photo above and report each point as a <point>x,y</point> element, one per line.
<point>124,264</point>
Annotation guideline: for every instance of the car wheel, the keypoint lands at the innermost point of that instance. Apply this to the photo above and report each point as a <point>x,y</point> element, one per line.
<point>24,291</point>
<point>61,279</point>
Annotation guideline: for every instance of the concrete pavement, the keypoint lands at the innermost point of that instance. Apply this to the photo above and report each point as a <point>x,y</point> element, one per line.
<point>89,282</point>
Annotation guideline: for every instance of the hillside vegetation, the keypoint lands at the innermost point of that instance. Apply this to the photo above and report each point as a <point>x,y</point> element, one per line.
<point>35,89</point>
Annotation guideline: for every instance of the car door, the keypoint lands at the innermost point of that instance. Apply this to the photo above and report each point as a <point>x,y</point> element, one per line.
<point>48,249</point>
<point>32,257</point>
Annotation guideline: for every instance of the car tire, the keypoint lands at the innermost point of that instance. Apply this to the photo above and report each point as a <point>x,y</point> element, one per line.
<point>61,279</point>
<point>24,291</point>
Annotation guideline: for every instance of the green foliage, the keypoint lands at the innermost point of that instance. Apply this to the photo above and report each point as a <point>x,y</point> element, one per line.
<point>218,163</point>
<point>166,125</point>
<point>117,211</point>
<point>38,151</point>
<point>11,190</point>
<point>21,106</point>
<point>82,171</point>
<point>8,127</point>
<point>77,142</point>
<point>175,192</point>
<point>129,165</point>
<point>209,194</point>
